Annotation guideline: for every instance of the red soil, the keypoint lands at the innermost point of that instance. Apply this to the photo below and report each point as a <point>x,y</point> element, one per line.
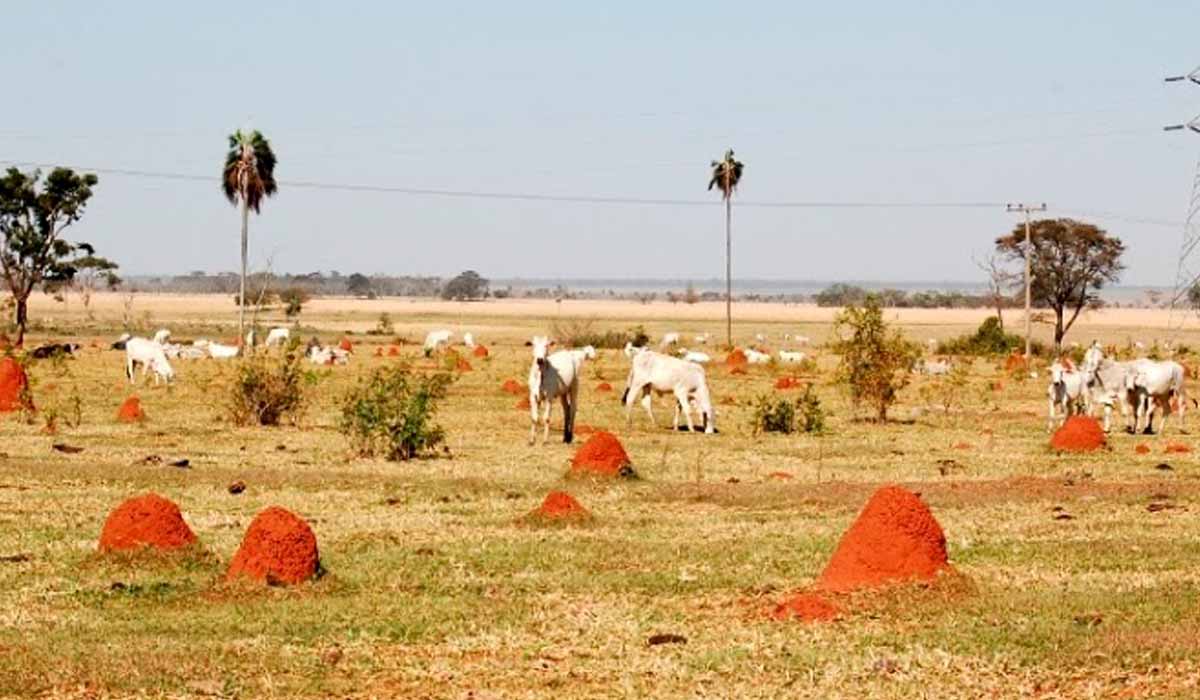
<point>145,521</point>
<point>131,411</point>
<point>512,386</point>
<point>278,548</point>
<point>1177,448</point>
<point>480,351</point>
<point>1142,449</point>
<point>603,456</point>
<point>523,404</point>
<point>895,539</point>
<point>346,345</point>
<point>788,383</point>
<point>13,383</point>
<point>393,351</point>
<point>604,386</point>
<point>737,358</point>
<point>461,364</point>
<point>1079,434</point>
<point>738,370</point>
<point>560,506</point>
<point>809,607</point>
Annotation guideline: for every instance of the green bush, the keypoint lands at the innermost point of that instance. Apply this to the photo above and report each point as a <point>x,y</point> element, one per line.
<point>390,413</point>
<point>875,360</point>
<point>267,388</point>
<point>576,333</point>
<point>772,415</point>
<point>988,339</point>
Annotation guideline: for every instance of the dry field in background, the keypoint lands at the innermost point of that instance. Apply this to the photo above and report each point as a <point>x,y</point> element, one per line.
<point>433,589</point>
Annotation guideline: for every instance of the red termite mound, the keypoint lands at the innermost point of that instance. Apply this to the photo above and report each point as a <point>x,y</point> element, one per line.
<point>480,351</point>
<point>604,387</point>
<point>1079,434</point>
<point>131,411</point>
<point>145,521</point>
<point>1142,449</point>
<point>461,364</point>
<point>738,370</point>
<point>601,456</point>
<point>393,351</point>
<point>784,383</point>
<point>895,539</point>
<point>279,548</point>
<point>737,358</point>
<point>512,386</point>
<point>1015,362</point>
<point>13,385</point>
<point>523,404</point>
<point>346,345</point>
<point>559,506</point>
<point>1177,448</point>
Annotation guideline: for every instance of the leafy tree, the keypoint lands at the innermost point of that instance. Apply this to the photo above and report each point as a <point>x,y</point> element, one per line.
<point>248,178</point>
<point>359,285</point>
<point>840,294</point>
<point>33,215</point>
<point>468,285</point>
<point>875,360</point>
<point>293,300</point>
<point>1072,260</point>
<point>726,174</point>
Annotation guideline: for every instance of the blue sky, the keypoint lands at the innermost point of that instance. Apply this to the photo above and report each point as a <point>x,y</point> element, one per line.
<point>901,102</point>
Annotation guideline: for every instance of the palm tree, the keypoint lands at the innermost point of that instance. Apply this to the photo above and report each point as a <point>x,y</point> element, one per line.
<point>249,177</point>
<point>726,174</point>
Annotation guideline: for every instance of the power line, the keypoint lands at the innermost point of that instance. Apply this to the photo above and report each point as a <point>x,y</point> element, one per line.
<point>524,196</point>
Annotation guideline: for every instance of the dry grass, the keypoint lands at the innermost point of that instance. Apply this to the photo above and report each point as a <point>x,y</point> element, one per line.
<point>436,590</point>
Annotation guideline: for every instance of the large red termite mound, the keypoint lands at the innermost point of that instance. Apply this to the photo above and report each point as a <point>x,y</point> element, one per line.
<point>601,456</point>
<point>145,521</point>
<point>559,507</point>
<point>14,385</point>
<point>279,548</point>
<point>131,411</point>
<point>1079,434</point>
<point>895,539</point>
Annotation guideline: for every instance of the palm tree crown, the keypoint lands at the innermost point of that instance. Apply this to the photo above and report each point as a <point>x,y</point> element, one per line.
<point>726,173</point>
<point>249,169</point>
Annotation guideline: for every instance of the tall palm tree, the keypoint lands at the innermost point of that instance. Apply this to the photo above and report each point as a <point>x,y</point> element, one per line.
<point>248,178</point>
<point>726,174</point>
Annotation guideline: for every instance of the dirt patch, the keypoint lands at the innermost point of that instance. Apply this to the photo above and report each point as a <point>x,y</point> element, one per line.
<point>512,386</point>
<point>559,507</point>
<point>784,383</point>
<point>480,351</point>
<point>131,411</point>
<point>279,548</point>
<point>1177,448</point>
<point>604,387</point>
<point>737,358</point>
<point>808,607</point>
<point>895,539</point>
<point>145,521</point>
<point>1142,449</point>
<point>601,456</point>
<point>14,386</point>
<point>1079,434</point>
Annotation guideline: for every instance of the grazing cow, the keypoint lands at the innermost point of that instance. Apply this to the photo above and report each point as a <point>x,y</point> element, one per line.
<point>755,357</point>
<point>162,336</point>
<point>1108,385</point>
<point>48,351</point>
<point>469,340</point>
<point>218,351</point>
<point>434,341</point>
<point>660,374</point>
<point>669,339</point>
<point>791,357</point>
<point>186,352</point>
<point>1156,384</point>
<point>554,376</point>
<point>630,349</point>
<point>699,358</point>
<point>120,344</point>
<point>1066,391</point>
<point>278,336</point>
<point>150,356</point>
<point>702,338</point>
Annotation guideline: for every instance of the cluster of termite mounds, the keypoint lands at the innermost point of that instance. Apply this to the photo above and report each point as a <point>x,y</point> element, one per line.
<point>279,548</point>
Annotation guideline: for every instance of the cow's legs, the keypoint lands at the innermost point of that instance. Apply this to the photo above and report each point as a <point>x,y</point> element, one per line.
<point>546,420</point>
<point>533,419</point>
<point>681,398</point>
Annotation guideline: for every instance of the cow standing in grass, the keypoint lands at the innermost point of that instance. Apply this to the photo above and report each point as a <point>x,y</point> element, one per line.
<point>554,376</point>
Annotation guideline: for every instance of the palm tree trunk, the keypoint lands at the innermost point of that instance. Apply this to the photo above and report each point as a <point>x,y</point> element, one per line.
<point>242,293</point>
<point>728,274</point>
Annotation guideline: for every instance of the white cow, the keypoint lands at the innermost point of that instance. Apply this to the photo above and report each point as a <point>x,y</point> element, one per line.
<point>1066,392</point>
<point>434,340</point>
<point>162,336</point>
<point>791,357</point>
<point>933,368</point>
<point>150,356</point>
<point>218,351</point>
<point>699,358</point>
<point>1108,385</point>
<point>278,336</point>
<point>469,340</point>
<point>669,339</point>
<point>630,349</point>
<point>660,374</point>
<point>755,357</point>
<point>1156,384</point>
<point>554,376</point>
<point>702,338</point>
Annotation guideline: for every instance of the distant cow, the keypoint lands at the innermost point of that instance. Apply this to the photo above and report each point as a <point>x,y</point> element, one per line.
<point>434,340</point>
<point>48,351</point>
<point>278,336</point>
<point>660,374</point>
<point>148,354</point>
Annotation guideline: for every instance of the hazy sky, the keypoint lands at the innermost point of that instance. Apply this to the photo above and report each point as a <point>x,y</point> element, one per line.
<point>836,102</point>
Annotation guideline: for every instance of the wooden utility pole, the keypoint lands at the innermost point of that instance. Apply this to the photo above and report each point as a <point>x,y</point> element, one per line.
<point>1026,209</point>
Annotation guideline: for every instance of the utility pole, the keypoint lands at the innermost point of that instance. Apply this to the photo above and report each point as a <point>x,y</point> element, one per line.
<point>1026,210</point>
<point>1185,279</point>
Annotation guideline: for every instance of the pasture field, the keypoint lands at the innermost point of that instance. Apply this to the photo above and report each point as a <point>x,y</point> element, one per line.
<point>1080,573</point>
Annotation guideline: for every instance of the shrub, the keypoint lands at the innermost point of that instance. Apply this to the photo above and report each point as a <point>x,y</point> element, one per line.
<point>383,326</point>
<point>576,333</point>
<point>875,360</point>
<point>773,415</point>
<point>293,300</point>
<point>268,388</point>
<point>988,339</point>
<point>390,413</point>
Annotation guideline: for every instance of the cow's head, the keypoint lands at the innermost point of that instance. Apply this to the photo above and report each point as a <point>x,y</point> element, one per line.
<point>541,347</point>
<point>1056,373</point>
